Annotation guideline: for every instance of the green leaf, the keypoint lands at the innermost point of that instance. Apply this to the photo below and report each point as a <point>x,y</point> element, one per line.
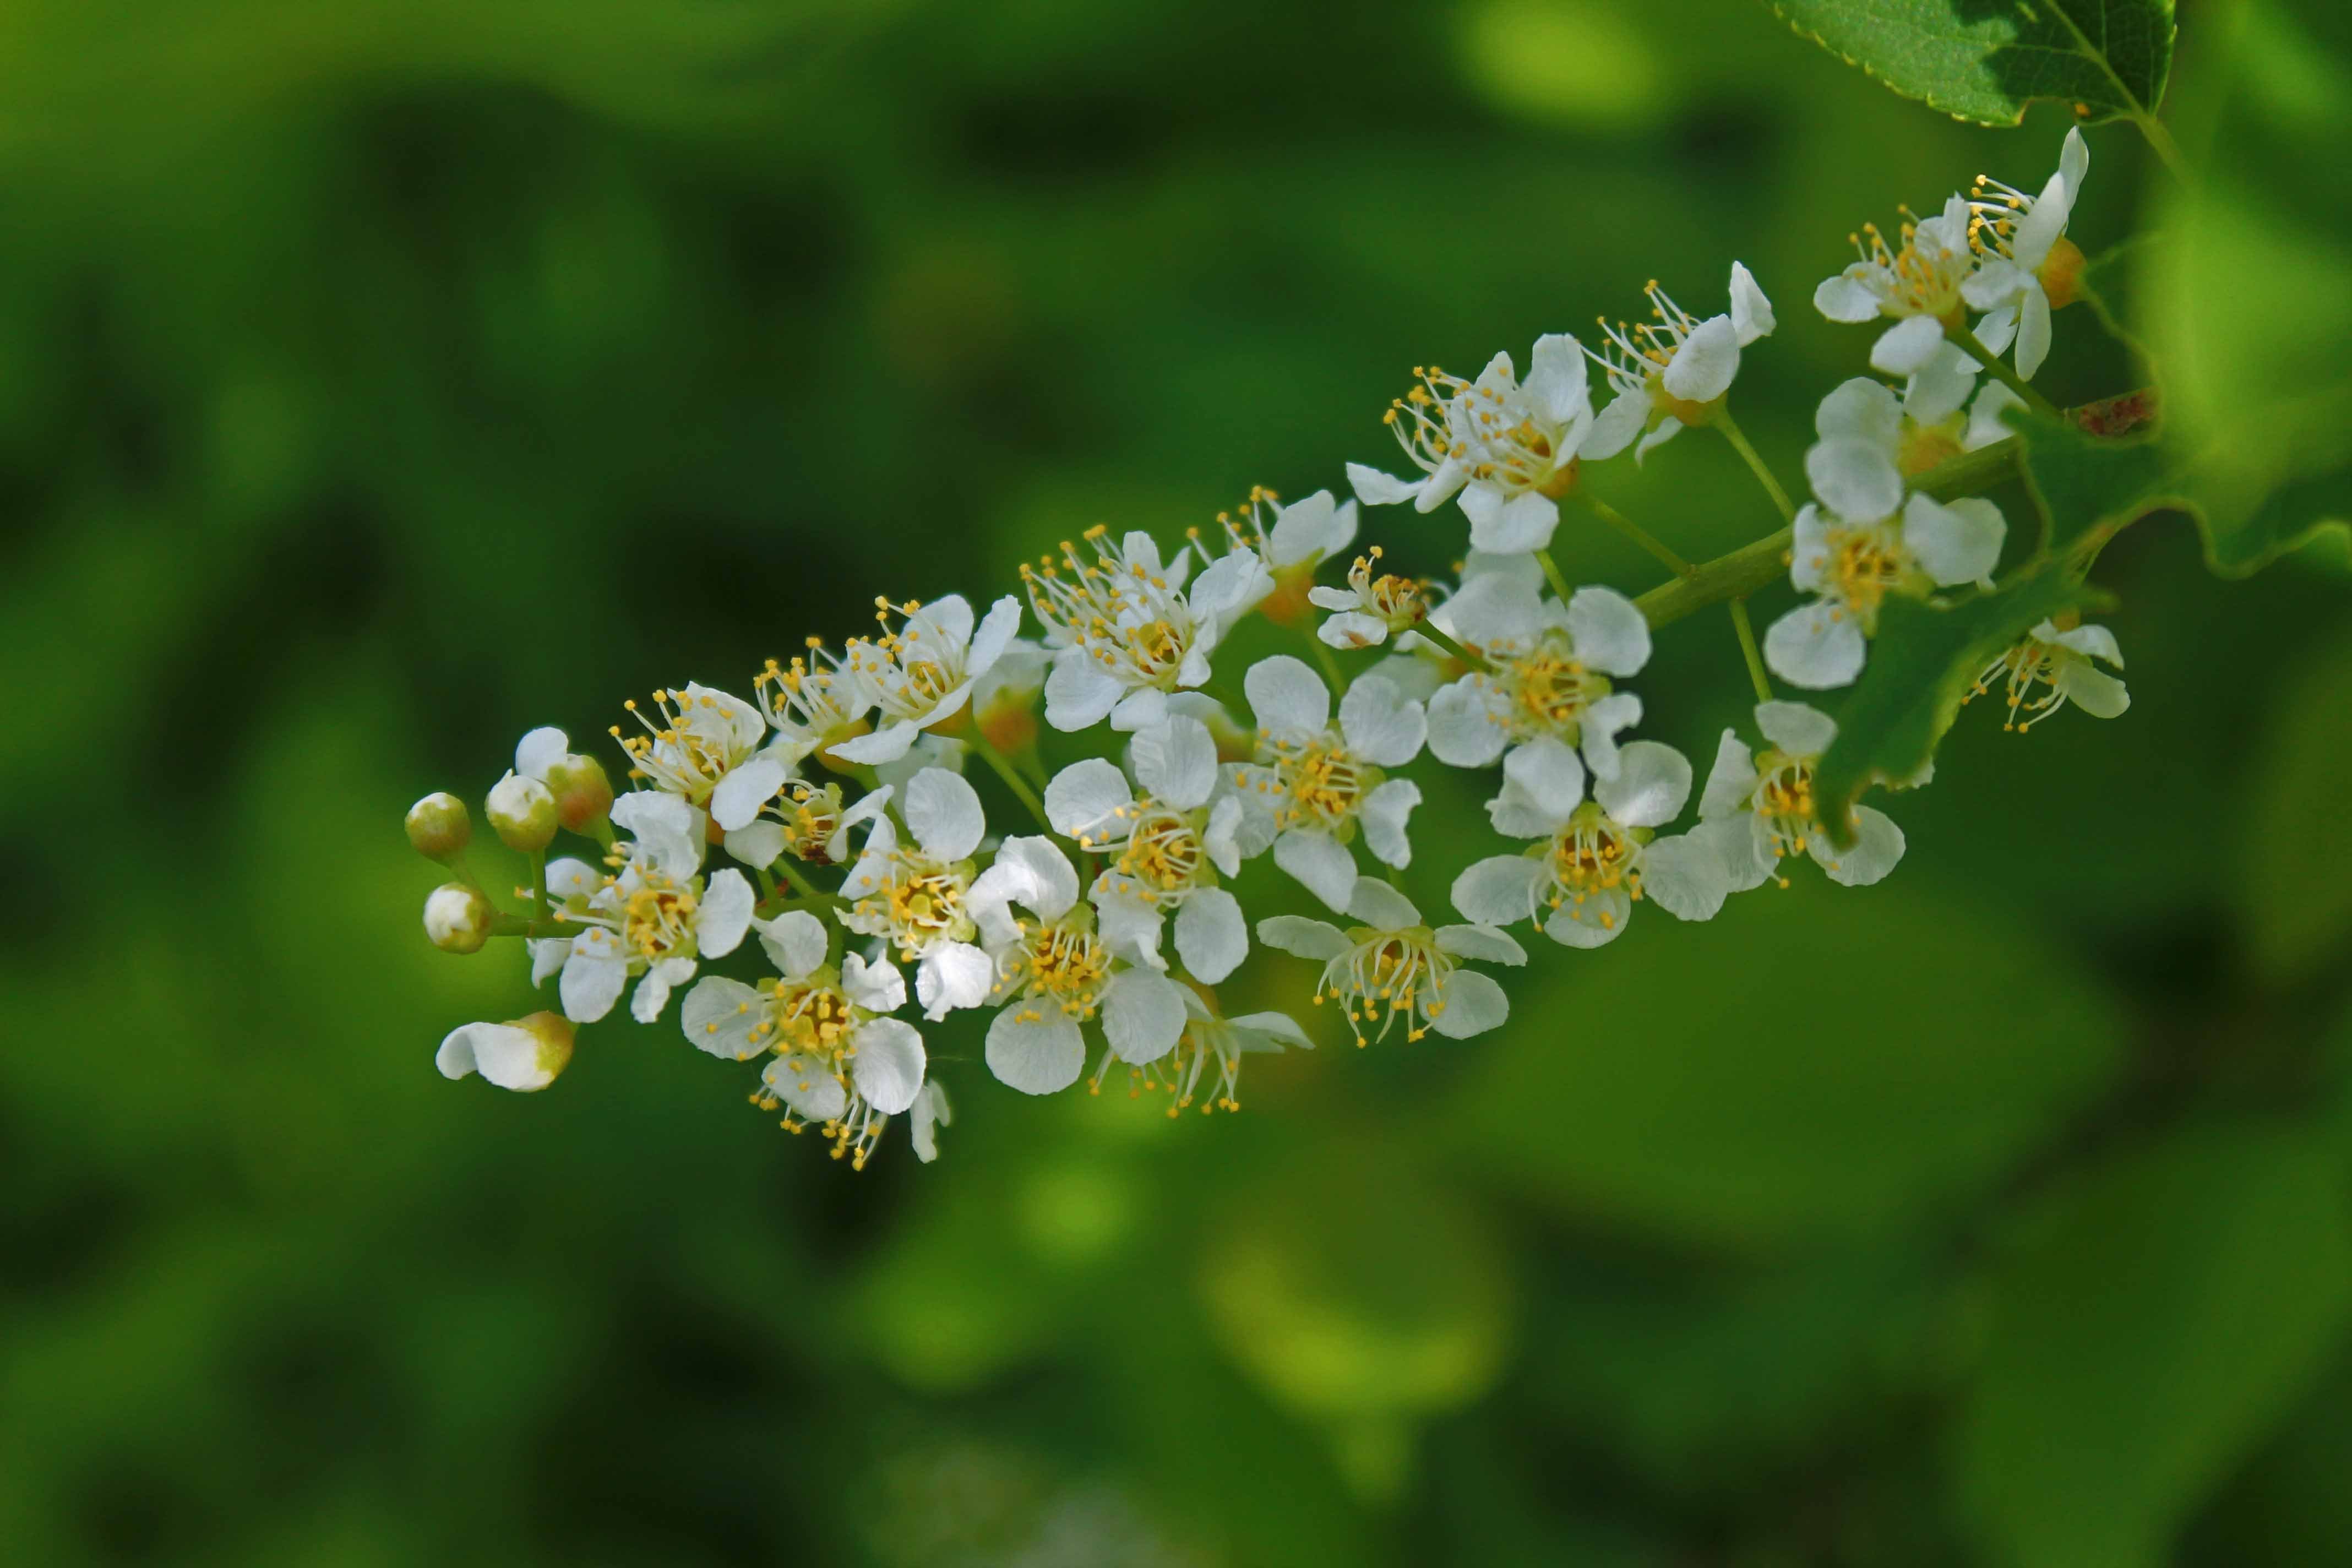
<point>1788,1070</point>
<point>2294,890</point>
<point>2145,1325</point>
<point>1986,62</point>
<point>1923,665</point>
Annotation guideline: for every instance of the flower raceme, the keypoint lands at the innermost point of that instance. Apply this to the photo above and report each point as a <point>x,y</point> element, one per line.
<point>889,898</point>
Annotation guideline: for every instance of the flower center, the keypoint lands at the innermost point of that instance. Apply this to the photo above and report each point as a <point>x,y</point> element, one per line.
<point>1066,963</point>
<point>1124,613</point>
<point>1865,565</point>
<point>657,918</point>
<point>811,697</point>
<point>1923,276</point>
<point>920,904</point>
<point>813,818</point>
<point>688,750</point>
<point>1784,799</point>
<point>1547,689</point>
<point>1592,854</point>
<point>1388,974</point>
<point>808,1018</point>
<point>1164,851</point>
<point>1321,782</point>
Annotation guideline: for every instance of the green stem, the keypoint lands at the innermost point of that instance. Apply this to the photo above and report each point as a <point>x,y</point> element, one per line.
<point>1331,671</point>
<point>2001,372</point>
<point>1639,535</point>
<point>1732,433</point>
<point>1732,576</point>
<point>1748,651</point>
<point>539,880</point>
<point>1551,574</point>
<point>1003,768</point>
<point>1428,630</point>
<point>600,830</point>
<point>515,925</point>
<point>800,884</point>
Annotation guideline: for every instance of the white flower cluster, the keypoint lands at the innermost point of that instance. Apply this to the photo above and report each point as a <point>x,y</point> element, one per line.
<point>860,852</point>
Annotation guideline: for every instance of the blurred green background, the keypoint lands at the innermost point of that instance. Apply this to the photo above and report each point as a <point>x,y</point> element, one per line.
<point>379,380</point>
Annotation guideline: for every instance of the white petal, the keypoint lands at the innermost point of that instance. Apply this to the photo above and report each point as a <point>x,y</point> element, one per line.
<point>1684,877</point>
<point>886,744</point>
<point>1752,312</point>
<point>943,813</point>
<point>2039,229</point>
<point>1352,629</point>
<point>953,975</point>
<point>1818,645</point>
<point>1666,430</point>
<point>1796,728</point>
<point>1313,528</point>
<point>1482,941</point>
<point>1998,283</point>
<point>1142,710</point>
<point>1031,872</point>
<point>718,1016</point>
<point>1861,410</point>
<point>1939,388</point>
<point>1855,479</point>
<point>1323,867</point>
<point>888,1063</point>
<point>569,878</point>
<point>1386,812</point>
<point>2095,691</point>
<point>930,1114</point>
<point>1304,938</point>
<point>2092,642</point>
<point>758,845</point>
<point>1224,836</point>
<point>795,942</point>
<point>1142,1015</point>
<point>1501,890</point>
<point>1625,417</point>
<point>1079,693</point>
<point>1597,731</point>
<point>1084,800</point>
<point>1844,298</point>
<point>547,956</point>
<point>1374,487</point>
<point>1906,345</point>
<point>1653,781</point>
<point>541,750</point>
<point>1233,584</point>
<point>592,976</point>
<point>2074,162</point>
<point>1177,762</point>
<point>1956,543</point>
<point>724,915</point>
<point>1546,776</point>
<point>1128,919</point>
<point>995,635</point>
<point>1470,1004</point>
<point>1729,781</point>
<point>1271,1032</point>
<point>876,985</point>
<point>1034,1050</point>
<point>1809,550</point>
<point>2032,331</point>
<point>1878,845</point>
<point>1375,903</point>
<point>1381,725</point>
<point>1609,633</point>
<point>1703,367</point>
<point>1988,419</point>
<point>807,1086</point>
<point>1288,698</point>
<point>1997,330</point>
<point>1741,848</point>
<point>1595,920</point>
<point>653,991</point>
<point>1526,522</point>
<point>1556,380</point>
<point>1465,730</point>
<point>505,1054</point>
<point>1211,936</point>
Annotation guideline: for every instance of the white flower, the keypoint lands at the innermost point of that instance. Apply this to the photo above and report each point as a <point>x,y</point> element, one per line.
<point>1211,1046</point>
<point>923,673</point>
<point>1669,371</point>
<point>2061,659</point>
<point>1368,608</point>
<point>1549,670</point>
<point>931,1112</point>
<point>805,820</point>
<point>1124,631</point>
<point>1596,857</point>
<point>916,897</point>
<point>705,751</point>
<point>1303,536</point>
<point>1864,541</point>
<point>524,1056</point>
<point>652,917</point>
<point>839,1064</point>
<point>1005,697</point>
<point>1167,848</point>
<point>1055,972</point>
<point>1758,808</point>
<point>1389,966</point>
<point>1508,449</point>
<point>1919,286</point>
<point>815,703</point>
<point>2033,267</point>
<point>1312,785</point>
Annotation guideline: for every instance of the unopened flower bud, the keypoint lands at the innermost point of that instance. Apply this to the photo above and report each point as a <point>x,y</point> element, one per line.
<point>456,918</point>
<point>440,827</point>
<point>583,795</point>
<point>522,813</point>
<point>524,1055</point>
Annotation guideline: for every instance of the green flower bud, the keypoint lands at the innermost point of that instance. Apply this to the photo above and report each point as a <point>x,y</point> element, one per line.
<point>456,918</point>
<point>582,794</point>
<point>522,813</point>
<point>439,826</point>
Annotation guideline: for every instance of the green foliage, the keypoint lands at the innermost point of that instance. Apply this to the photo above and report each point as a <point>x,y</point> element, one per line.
<point>1987,63</point>
<point>2295,883</point>
<point>2142,1325</point>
